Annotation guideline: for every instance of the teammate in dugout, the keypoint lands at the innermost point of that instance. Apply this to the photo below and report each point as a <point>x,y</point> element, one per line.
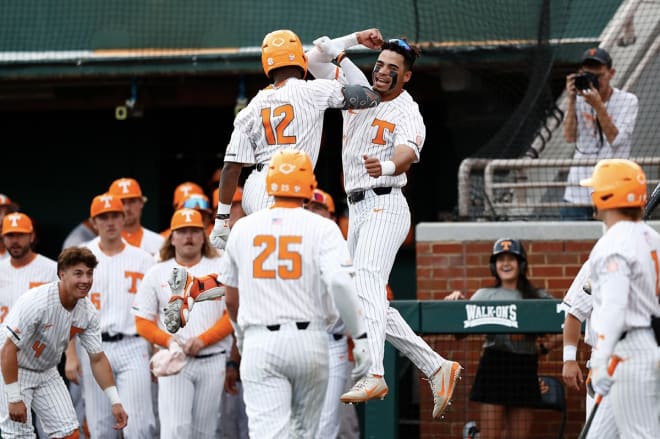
<point>380,145</point>
<point>38,329</point>
<point>287,114</point>
<point>624,284</point>
<point>188,401</point>
<point>121,268</point>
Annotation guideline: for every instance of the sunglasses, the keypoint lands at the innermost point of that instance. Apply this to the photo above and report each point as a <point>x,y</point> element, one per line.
<point>196,203</point>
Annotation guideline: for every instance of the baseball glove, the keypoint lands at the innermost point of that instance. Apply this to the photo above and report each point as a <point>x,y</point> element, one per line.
<point>186,290</point>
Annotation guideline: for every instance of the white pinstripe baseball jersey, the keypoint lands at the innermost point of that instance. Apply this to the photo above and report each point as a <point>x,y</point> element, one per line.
<point>116,281</point>
<point>283,247</point>
<point>14,281</point>
<point>146,239</point>
<point>631,249</point>
<point>580,304</point>
<point>41,328</point>
<point>154,293</point>
<point>289,114</point>
<point>375,132</point>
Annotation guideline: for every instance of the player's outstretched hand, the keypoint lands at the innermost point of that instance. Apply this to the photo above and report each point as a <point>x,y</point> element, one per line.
<point>371,38</point>
<point>361,357</point>
<point>572,375</point>
<point>331,48</point>
<point>220,233</point>
<point>120,415</point>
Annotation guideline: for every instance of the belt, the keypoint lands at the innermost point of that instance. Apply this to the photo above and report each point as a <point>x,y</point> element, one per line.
<point>357,196</point>
<point>337,337</point>
<point>260,166</point>
<point>211,354</point>
<point>299,325</point>
<point>117,337</point>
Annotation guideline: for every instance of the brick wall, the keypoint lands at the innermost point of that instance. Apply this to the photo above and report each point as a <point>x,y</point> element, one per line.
<point>449,258</point>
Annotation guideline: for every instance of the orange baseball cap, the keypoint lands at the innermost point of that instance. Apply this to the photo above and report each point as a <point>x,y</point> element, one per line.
<point>123,188</point>
<point>16,223</point>
<point>238,196</point>
<point>186,218</point>
<point>105,203</point>
<point>323,198</point>
<point>183,191</point>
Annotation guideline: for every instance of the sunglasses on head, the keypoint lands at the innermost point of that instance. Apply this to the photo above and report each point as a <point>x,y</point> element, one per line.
<point>401,43</point>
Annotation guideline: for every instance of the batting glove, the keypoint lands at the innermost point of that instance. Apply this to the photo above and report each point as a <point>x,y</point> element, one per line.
<point>361,357</point>
<point>331,48</point>
<point>601,380</point>
<point>172,312</point>
<point>220,233</point>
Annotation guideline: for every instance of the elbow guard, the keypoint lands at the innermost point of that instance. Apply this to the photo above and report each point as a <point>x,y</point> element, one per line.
<point>358,97</point>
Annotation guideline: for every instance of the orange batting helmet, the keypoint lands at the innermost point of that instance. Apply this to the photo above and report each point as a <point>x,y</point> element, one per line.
<point>282,48</point>
<point>617,183</point>
<point>291,174</point>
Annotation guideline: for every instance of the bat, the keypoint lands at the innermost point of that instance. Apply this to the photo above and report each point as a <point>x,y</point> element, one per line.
<point>652,202</point>
<point>599,398</point>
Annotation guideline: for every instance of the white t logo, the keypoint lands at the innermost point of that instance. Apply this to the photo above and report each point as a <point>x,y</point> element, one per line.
<point>124,185</point>
<point>106,199</point>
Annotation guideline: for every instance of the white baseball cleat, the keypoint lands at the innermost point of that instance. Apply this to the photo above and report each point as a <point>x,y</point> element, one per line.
<point>367,388</point>
<point>443,383</point>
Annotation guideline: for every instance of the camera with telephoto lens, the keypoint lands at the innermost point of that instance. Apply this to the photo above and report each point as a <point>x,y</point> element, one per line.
<point>584,80</point>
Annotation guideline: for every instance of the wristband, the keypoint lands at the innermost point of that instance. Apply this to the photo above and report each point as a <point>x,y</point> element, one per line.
<point>570,353</point>
<point>13,392</point>
<point>112,394</point>
<point>387,167</point>
<point>231,364</point>
<point>224,209</point>
<point>339,58</point>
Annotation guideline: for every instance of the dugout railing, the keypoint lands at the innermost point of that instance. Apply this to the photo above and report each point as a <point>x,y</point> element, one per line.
<point>524,188</point>
<point>381,418</point>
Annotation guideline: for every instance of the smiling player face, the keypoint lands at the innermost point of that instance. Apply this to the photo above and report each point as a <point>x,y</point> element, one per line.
<point>389,74</point>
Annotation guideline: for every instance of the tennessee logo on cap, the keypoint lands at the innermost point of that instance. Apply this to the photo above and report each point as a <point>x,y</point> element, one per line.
<point>592,52</point>
<point>123,188</point>
<point>16,223</point>
<point>105,203</point>
<point>186,218</point>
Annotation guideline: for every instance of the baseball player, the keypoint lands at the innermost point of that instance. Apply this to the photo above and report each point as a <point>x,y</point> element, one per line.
<point>189,402</point>
<point>6,206</point>
<point>339,364</point>
<point>181,192</point>
<point>116,280</point>
<point>129,192</point>
<point>288,266</point>
<point>380,145</point>
<point>625,285</point>
<point>24,269</point>
<point>38,329</point>
<point>287,114</point>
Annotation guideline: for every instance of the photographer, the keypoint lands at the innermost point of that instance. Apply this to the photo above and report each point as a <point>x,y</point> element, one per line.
<point>599,119</point>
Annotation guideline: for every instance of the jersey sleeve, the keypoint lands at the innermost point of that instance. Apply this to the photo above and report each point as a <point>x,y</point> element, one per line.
<point>326,93</point>
<point>241,146</point>
<point>411,132</point>
<point>334,254</point>
<point>576,302</point>
<point>228,267</point>
<point>90,337</point>
<point>23,320</point>
<point>145,303</point>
